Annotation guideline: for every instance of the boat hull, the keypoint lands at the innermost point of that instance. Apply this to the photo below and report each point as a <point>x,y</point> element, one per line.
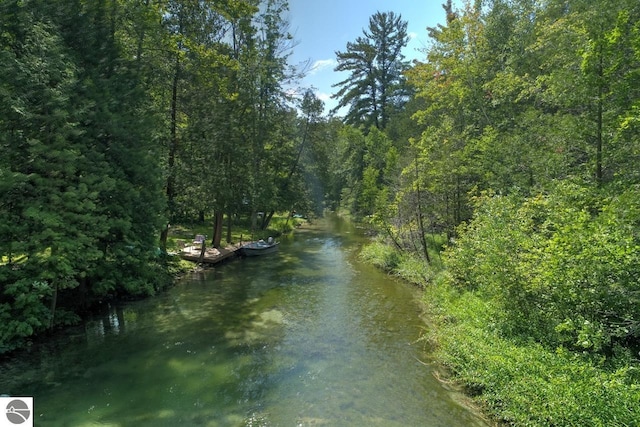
<point>257,249</point>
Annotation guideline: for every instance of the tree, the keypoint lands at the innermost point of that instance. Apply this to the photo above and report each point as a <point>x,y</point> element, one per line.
<point>375,86</point>
<point>49,224</point>
<point>450,85</point>
<point>81,201</point>
<point>311,108</point>
<point>271,125</point>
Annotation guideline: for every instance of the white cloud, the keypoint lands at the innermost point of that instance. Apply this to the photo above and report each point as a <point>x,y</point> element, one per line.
<point>412,35</point>
<point>322,64</point>
<point>323,96</point>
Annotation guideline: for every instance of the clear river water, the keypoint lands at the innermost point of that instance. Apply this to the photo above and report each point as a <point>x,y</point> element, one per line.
<point>307,336</point>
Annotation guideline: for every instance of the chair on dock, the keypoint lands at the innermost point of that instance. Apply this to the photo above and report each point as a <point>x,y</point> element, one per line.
<point>199,240</point>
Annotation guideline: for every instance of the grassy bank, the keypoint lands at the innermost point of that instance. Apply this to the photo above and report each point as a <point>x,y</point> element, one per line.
<point>516,381</point>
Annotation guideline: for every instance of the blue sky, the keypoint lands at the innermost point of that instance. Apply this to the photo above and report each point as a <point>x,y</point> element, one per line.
<point>322,27</point>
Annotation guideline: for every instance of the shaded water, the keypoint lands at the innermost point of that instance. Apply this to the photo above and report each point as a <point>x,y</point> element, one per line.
<point>304,337</point>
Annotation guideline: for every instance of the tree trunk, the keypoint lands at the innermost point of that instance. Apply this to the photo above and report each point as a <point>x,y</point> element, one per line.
<point>393,237</point>
<point>266,219</point>
<point>54,302</point>
<point>218,220</point>
<point>420,217</point>
<point>229,224</point>
<point>423,237</point>
<point>173,149</point>
<point>163,238</point>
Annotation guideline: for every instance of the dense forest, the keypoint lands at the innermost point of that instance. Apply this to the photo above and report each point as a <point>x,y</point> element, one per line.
<point>501,172</point>
<point>119,118</point>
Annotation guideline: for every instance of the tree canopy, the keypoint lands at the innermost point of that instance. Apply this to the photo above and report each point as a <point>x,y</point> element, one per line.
<point>375,86</point>
<point>520,142</point>
<point>518,152</point>
<point>120,118</point>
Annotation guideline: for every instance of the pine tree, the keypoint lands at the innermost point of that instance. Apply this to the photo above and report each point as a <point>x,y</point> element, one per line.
<point>375,86</point>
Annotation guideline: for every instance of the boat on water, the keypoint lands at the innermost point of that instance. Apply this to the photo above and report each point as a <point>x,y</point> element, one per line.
<point>260,247</point>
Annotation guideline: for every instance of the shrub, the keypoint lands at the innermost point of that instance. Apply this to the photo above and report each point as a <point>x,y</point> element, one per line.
<point>525,383</point>
<point>563,267</point>
<point>23,312</point>
<point>381,255</point>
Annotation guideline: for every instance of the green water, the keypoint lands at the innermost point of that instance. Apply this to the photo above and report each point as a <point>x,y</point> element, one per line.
<point>304,337</point>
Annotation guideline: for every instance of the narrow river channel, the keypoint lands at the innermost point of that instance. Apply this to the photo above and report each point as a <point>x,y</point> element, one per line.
<point>308,336</point>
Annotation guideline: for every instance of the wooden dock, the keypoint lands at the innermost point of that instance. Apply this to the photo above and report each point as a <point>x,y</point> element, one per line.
<point>212,256</point>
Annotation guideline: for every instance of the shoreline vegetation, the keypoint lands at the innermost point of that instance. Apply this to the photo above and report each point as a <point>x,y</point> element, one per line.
<point>512,379</point>
<point>174,267</point>
<point>181,234</point>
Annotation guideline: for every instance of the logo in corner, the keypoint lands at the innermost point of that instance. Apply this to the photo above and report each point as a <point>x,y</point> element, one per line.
<point>18,411</point>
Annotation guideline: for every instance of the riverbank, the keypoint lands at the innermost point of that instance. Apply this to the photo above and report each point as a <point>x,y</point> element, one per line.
<point>515,382</point>
<point>181,242</point>
<point>161,273</point>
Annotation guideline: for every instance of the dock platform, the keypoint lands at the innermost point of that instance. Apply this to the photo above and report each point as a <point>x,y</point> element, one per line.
<point>212,256</point>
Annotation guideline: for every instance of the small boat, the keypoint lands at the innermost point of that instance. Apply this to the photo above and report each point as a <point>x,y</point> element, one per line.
<point>260,247</point>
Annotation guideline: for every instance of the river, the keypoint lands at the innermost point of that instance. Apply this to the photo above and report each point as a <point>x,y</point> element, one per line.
<point>307,336</point>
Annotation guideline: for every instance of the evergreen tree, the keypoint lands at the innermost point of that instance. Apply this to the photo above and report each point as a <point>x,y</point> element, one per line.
<point>81,197</point>
<point>117,128</point>
<point>375,86</point>
<point>47,204</point>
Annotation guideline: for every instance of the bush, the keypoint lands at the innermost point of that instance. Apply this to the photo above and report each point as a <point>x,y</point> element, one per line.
<point>414,270</point>
<point>525,384</point>
<point>23,312</point>
<point>563,267</point>
<point>407,265</point>
<point>536,312</point>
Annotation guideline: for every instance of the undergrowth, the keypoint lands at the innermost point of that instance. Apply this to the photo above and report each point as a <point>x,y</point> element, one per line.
<point>405,265</point>
<point>517,382</point>
<point>523,383</point>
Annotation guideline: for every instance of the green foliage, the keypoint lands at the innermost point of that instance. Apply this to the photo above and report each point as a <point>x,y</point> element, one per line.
<point>563,267</point>
<point>80,183</point>
<point>375,86</point>
<point>367,163</point>
<point>23,312</point>
<point>280,225</point>
<point>406,265</point>
<point>381,255</point>
<point>526,383</point>
<point>415,271</point>
<point>524,152</point>
<point>110,125</point>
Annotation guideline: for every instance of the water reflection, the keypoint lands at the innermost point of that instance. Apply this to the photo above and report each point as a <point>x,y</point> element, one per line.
<point>307,336</point>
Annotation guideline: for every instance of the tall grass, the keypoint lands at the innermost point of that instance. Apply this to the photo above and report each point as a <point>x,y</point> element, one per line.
<point>523,383</point>
<point>517,382</point>
<point>406,265</point>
